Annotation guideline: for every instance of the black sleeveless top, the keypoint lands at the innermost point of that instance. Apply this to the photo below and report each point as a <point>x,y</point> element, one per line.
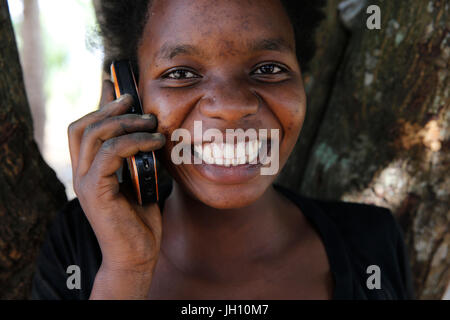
<point>355,237</point>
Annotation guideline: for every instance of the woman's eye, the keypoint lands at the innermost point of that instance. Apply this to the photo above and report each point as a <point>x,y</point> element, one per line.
<point>269,69</point>
<point>181,74</point>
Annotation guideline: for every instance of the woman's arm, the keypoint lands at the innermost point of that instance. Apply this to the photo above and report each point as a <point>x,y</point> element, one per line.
<point>120,284</point>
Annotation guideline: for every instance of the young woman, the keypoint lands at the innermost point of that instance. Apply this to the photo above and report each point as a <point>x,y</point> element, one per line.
<point>222,231</point>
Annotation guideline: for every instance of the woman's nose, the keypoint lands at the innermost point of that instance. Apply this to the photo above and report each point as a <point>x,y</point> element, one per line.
<point>230,102</point>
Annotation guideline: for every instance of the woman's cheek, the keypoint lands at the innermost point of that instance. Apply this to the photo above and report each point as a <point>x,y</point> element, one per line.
<point>294,100</point>
<point>171,108</point>
<point>293,127</point>
<point>288,104</point>
<point>296,119</point>
<point>290,109</point>
<point>166,106</point>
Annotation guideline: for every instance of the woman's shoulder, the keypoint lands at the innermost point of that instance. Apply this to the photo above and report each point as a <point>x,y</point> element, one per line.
<point>71,214</point>
<point>71,224</point>
<point>360,220</point>
<point>353,220</point>
<point>70,242</point>
<point>368,235</point>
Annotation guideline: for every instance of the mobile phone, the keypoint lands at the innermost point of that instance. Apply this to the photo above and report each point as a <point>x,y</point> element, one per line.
<point>140,168</point>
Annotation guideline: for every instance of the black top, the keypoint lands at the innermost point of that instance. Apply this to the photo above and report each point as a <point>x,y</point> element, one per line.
<point>355,237</point>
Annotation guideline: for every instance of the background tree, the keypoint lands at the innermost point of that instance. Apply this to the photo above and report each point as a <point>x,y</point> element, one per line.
<point>377,126</point>
<point>30,193</point>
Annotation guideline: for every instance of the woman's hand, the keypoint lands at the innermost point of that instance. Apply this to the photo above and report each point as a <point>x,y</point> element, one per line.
<point>129,235</point>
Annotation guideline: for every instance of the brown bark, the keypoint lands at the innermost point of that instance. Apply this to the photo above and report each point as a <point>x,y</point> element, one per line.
<point>30,193</point>
<point>384,137</point>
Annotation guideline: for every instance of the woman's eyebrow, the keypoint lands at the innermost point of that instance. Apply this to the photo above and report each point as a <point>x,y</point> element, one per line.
<point>169,51</point>
<point>271,44</point>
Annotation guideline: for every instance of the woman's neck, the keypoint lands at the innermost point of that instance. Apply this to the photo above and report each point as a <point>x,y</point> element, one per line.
<point>205,242</point>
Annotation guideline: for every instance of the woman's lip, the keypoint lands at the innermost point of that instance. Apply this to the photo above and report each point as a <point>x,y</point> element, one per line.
<point>228,175</point>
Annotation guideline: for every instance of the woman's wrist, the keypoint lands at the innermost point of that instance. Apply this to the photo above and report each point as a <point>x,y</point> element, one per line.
<point>114,283</point>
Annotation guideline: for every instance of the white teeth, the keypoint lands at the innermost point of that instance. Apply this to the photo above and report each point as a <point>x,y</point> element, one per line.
<point>225,154</point>
<point>207,154</point>
<point>217,150</point>
<point>229,151</point>
<point>253,151</point>
<point>198,150</point>
<point>240,150</point>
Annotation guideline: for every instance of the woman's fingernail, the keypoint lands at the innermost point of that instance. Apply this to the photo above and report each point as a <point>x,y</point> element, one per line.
<point>147,116</point>
<point>124,96</point>
<point>160,136</point>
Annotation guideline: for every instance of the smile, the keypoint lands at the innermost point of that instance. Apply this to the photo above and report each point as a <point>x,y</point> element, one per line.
<point>226,154</point>
<point>244,154</point>
<point>227,163</point>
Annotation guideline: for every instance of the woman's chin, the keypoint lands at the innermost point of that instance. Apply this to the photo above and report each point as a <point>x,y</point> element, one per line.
<point>221,196</point>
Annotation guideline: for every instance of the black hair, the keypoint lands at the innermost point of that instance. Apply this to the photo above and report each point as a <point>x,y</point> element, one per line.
<point>121,24</point>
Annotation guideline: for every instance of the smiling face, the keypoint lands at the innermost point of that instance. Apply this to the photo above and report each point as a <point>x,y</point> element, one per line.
<point>231,65</point>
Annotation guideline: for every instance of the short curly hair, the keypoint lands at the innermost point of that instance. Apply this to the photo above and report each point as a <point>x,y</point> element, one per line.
<point>121,24</point>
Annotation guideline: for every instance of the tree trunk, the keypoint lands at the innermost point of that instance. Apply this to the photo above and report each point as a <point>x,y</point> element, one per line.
<point>383,137</point>
<point>30,193</point>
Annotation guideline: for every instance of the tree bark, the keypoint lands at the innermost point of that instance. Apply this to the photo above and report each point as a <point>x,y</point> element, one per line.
<point>30,192</point>
<point>383,138</point>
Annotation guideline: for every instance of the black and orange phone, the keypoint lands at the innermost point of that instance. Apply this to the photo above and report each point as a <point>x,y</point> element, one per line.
<point>141,167</point>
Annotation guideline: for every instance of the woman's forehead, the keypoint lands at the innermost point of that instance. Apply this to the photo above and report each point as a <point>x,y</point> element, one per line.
<point>176,26</point>
<point>224,8</point>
